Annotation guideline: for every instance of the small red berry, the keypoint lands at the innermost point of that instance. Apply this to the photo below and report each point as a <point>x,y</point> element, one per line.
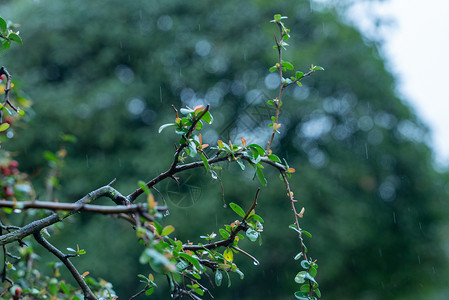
<point>8,191</point>
<point>17,293</point>
<point>5,170</point>
<point>14,164</point>
<point>2,77</point>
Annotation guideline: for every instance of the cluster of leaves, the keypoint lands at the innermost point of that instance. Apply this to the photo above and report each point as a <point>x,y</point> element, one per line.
<point>8,35</point>
<point>32,283</point>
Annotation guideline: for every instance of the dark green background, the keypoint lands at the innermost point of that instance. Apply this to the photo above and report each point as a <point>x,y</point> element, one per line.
<point>108,72</point>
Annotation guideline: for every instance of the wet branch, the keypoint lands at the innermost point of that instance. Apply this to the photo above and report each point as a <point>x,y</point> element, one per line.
<point>65,260</point>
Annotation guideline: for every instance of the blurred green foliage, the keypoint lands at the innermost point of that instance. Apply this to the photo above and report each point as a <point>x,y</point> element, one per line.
<point>107,73</point>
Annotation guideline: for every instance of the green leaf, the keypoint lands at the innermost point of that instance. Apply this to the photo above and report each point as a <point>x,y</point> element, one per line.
<point>144,187</point>
<point>186,111</point>
<point>252,234</point>
<point>318,68</point>
<point>293,226</point>
<point>237,209</point>
<point>4,126</point>
<point>218,278</point>
<point>5,45</point>
<point>3,25</point>
<point>272,69</point>
<point>149,291</point>
<point>205,162</point>
<point>306,233</point>
<point>16,38</point>
<point>270,102</point>
<point>274,158</point>
<point>191,260</point>
<point>298,256</point>
<point>305,288</point>
<point>229,279</point>
<point>300,277</point>
<point>207,118</point>
<point>241,164</point>
<point>64,288</point>
<point>240,273</point>
<point>158,227</point>
<point>299,74</point>
<point>305,264</point>
<point>260,176</point>
<point>287,65</point>
<point>223,233</point>
<point>258,148</point>
<point>318,292</point>
<point>256,217</point>
<point>165,126</point>
<point>21,112</point>
<point>167,230</point>
<point>302,296</point>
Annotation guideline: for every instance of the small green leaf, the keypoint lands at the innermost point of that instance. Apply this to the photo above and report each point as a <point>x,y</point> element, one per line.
<point>5,45</point>
<point>258,148</point>
<point>293,226</point>
<point>144,187</point>
<point>191,260</point>
<point>305,264</point>
<point>306,233</point>
<point>229,279</point>
<point>302,296</point>
<point>270,102</point>
<point>256,217</point>
<point>149,291</point>
<point>260,176</point>
<point>241,164</point>
<point>186,111</point>
<point>4,126</point>
<point>318,292</point>
<point>299,74</point>
<point>3,25</point>
<point>223,233</point>
<point>298,256</point>
<point>274,158</point>
<point>237,209</point>
<point>218,277</point>
<point>16,38</point>
<point>305,288</point>
<point>158,227</point>
<point>207,118</point>
<point>165,126</point>
<point>318,68</point>
<point>252,234</point>
<point>300,277</point>
<point>64,288</point>
<point>287,65</point>
<point>167,230</point>
<point>205,162</point>
<point>272,69</point>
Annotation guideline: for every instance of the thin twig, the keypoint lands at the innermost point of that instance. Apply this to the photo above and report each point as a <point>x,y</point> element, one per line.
<point>256,262</point>
<point>88,294</point>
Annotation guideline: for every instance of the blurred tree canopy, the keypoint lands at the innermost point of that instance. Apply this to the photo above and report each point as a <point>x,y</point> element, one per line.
<point>108,71</point>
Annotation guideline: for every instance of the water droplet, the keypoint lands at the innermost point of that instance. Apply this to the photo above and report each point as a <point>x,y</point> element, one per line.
<point>166,213</point>
<point>224,205</point>
<point>256,263</point>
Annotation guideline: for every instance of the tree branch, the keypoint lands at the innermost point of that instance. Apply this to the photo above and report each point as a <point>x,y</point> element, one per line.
<point>35,226</point>
<point>86,290</point>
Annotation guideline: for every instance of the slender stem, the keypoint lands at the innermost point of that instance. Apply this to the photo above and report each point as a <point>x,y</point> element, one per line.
<point>88,294</point>
<point>292,203</point>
